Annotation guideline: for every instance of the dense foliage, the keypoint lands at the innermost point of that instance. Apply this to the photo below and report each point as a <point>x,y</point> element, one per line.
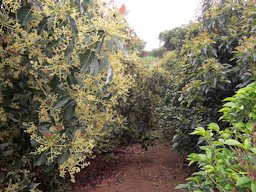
<point>65,80</point>
<point>173,39</point>
<point>141,103</point>
<point>209,61</point>
<point>228,158</point>
<point>71,87</point>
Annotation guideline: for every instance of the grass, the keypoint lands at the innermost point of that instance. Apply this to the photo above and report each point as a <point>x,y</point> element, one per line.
<point>147,60</point>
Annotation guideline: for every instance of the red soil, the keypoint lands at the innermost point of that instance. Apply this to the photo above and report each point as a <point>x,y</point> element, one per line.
<point>133,169</point>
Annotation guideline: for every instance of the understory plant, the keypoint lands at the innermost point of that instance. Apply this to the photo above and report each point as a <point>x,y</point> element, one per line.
<point>227,157</point>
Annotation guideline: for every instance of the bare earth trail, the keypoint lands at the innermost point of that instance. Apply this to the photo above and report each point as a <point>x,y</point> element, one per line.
<point>134,170</point>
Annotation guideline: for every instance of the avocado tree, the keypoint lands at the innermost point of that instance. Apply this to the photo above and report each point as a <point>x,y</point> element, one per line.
<point>213,60</point>
<point>62,74</point>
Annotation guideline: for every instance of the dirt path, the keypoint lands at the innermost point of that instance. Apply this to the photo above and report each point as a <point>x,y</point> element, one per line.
<point>135,170</point>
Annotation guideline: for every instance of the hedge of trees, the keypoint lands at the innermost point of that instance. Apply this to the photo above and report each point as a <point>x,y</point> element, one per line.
<point>209,61</point>
<point>66,76</point>
<point>215,58</point>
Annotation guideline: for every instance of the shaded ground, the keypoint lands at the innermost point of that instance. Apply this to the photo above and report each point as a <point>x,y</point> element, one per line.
<point>132,169</point>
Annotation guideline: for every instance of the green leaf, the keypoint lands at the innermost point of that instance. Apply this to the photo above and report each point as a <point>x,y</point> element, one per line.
<point>99,44</point>
<point>51,167</point>
<point>200,131</point>
<point>68,110</point>
<point>37,5</point>
<point>79,80</point>
<point>193,157</point>
<point>246,144</point>
<point>42,25</point>
<point>253,150</point>
<point>181,186</point>
<point>54,82</point>
<point>225,110</point>
<point>40,159</point>
<point>229,104</point>
<point>33,186</point>
<point>71,79</point>
<point>243,181</point>
<point>44,125</point>
<point>209,168</point>
<point>94,67</point>
<point>24,15</point>
<point>120,45</point>
<point>86,59</point>
<point>73,25</point>
<point>253,186</point>
<point>214,126</point>
<point>231,99</point>
<point>83,5</point>
<point>110,45</point>
<point>70,47</point>
<point>109,74</point>
<point>61,102</point>
<point>233,142</point>
<point>64,157</point>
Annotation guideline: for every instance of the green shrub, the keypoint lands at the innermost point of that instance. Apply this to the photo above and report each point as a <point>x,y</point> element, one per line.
<point>227,160</point>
